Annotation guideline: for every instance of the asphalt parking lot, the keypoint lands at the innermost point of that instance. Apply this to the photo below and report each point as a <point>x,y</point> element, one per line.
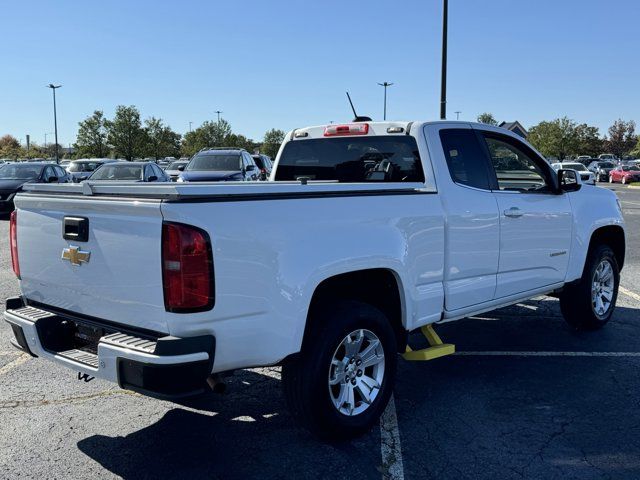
<point>526,397</point>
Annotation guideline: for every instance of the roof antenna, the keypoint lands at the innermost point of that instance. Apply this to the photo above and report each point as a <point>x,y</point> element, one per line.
<point>357,118</point>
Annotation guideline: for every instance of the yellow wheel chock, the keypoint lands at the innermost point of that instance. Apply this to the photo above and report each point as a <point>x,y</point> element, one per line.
<point>435,350</point>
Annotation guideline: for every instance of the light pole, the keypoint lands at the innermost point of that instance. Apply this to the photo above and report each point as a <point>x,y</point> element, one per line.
<point>45,140</point>
<point>443,86</point>
<point>218,112</point>
<point>385,85</point>
<point>55,117</point>
<point>457,114</point>
<point>190,125</point>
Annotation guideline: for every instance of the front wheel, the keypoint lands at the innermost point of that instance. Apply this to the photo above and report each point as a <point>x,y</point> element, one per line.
<point>341,381</point>
<point>589,303</point>
<point>610,179</point>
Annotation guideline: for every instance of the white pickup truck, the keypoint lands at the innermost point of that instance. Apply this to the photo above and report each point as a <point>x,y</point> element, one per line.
<point>365,232</point>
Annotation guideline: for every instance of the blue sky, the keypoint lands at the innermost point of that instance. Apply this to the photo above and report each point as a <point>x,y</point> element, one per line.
<point>286,64</point>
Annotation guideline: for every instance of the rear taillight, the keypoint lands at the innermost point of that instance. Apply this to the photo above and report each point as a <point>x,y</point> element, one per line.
<point>187,269</point>
<point>13,240</point>
<point>349,129</point>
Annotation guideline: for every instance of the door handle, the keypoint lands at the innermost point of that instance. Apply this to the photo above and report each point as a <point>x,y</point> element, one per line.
<point>513,212</point>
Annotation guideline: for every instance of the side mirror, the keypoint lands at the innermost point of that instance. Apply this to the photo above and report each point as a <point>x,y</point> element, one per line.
<point>251,168</point>
<point>152,178</point>
<point>53,180</point>
<point>569,180</point>
<point>181,168</point>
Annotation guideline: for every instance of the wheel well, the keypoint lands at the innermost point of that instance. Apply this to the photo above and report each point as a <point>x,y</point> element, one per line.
<point>377,287</point>
<point>613,236</point>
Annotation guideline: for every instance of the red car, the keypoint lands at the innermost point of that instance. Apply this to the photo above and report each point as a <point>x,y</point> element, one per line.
<point>625,174</point>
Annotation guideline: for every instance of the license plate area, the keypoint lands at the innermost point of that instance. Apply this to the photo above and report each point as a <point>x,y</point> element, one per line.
<point>59,335</point>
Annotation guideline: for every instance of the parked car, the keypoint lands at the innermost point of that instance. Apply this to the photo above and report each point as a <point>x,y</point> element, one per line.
<point>131,171</point>
<point>584,160</point>
<point>406,224</point>
<point>14,176</point>
<point>586,176</point>
<point>601,169</point>
<point>607,156</point>
<point>220,165</point>
<point>175,169</point>
<point>80,170</point>
<point>263,162</point>
<point>625,174</point>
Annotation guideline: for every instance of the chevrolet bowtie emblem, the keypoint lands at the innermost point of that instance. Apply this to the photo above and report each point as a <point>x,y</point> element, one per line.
<point>75,255</point>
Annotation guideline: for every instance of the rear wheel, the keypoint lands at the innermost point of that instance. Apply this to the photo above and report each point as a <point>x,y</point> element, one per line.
<point>341,381</point>
<point>589,303</point>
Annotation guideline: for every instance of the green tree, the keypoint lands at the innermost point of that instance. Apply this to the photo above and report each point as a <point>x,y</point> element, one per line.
<point>487,118</point>
<point>271,143</point>
<point>240,141</point>
<point>126,133</point>
<point>10,147</point>
<point>558,138</point>
<point>589,141</point>
<point>209,134</point>
<point>91,140</point>
<point>160,140</point>
<point>636,151</point>
<point>622,138</point>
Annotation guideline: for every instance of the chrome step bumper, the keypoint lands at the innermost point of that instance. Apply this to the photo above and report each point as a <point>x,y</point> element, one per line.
<point>166,366</point>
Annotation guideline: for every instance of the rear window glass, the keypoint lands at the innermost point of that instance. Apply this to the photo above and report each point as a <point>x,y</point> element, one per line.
<point>215,162</point>
<point>83,166</point>
<point>259,161</point>
<point>352,159</point>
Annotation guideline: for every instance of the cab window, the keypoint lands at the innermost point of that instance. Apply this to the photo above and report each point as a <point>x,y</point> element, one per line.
<point>517,168</point>
<point>375,158</point>
<point>465,157</point>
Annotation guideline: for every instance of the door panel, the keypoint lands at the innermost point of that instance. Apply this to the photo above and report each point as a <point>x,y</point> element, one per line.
<point>535,220</point>
<point>472,226</point>
<point>535,236</point>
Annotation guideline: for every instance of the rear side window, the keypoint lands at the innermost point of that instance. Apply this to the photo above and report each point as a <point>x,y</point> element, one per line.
<point>352,159</point>
<point>466,159</point>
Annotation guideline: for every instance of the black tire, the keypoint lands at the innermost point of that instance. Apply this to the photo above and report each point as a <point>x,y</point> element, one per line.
<point>575,300</point>
<point>305,375</point>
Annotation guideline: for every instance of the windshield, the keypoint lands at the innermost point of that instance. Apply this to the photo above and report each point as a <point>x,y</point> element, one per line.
<point>83,166</point>
<point>606,165</point>
<point>575,166</point>
<point>175,165</point>
<point>118,172</point>
<point>352,159</point>
<point>632,168</point>
<point>213,162</point>
<point>20,172</point>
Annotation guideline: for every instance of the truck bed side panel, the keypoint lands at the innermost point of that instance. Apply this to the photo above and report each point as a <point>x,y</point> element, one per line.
<point>269,256</point>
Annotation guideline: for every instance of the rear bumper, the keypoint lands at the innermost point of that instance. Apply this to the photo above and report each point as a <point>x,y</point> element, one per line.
<point>164,367</point>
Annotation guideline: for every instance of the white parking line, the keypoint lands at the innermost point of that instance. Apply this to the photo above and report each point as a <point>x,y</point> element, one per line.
<point>14,363</point>
<point>629,293</point>
<point>392,468</point>
<point>546,354</point>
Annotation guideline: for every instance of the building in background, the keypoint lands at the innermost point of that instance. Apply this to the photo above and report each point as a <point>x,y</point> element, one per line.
<point>515,127</point>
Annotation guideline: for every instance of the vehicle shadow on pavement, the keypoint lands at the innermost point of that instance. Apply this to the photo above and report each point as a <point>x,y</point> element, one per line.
<point>508,416</point>
<point>245,433</point>
<point>459,417</point>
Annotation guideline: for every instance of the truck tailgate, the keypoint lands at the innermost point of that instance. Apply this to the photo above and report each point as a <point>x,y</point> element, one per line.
<point>122,279</point>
